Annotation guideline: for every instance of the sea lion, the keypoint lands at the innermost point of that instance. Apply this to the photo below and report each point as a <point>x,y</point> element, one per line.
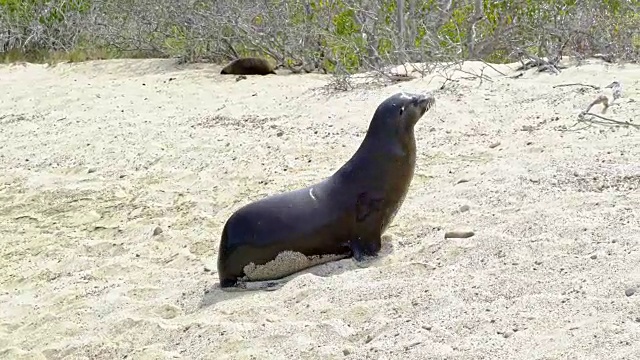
<point>345,214</point>
<point>249,66</point>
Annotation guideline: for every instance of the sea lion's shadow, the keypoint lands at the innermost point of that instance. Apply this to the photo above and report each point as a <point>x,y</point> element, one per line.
<point>215,294</point>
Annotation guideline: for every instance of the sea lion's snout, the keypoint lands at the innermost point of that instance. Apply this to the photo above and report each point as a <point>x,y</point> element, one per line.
<point>423,102</point>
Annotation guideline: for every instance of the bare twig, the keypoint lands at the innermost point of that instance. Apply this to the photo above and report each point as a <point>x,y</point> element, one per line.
<point>606,121</point>
<point>576,84</point>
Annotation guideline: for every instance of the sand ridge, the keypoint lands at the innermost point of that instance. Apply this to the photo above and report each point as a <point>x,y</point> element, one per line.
<point>96,156</point>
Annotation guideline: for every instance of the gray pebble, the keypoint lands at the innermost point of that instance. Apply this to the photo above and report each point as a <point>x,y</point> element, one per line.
<point>463,180</point>
<point>507,334</point>
<point>630,291</point>
<point>464,208</point>
<point>594,256</point>
<point>458,234</point>
<point>495,144</point>
<point>157,231</point>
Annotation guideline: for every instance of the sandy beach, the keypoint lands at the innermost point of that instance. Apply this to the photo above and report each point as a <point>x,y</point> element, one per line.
<point>117,176</point>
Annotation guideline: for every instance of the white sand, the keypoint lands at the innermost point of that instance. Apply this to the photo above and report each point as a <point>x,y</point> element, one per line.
<point>95,156</point>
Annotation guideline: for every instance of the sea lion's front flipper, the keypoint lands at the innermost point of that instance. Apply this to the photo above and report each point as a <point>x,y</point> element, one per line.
<point>369,214</point>
<point>368,205</point>
<point>363,247</point>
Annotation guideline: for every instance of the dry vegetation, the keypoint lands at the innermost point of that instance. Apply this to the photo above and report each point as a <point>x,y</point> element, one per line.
<point>336,36</point>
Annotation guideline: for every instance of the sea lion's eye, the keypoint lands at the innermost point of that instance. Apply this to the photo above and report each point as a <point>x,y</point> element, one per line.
<point>401,110</point>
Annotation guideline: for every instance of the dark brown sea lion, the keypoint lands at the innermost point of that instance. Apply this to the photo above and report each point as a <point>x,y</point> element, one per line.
<point>249,66</point>
<point>345,214</point>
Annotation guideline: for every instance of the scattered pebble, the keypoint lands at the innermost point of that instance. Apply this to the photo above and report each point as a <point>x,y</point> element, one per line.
<point>427,327</point>
<point>463,180</point>
<point>630,291</point>
<point>494,145</point>
<point>458,234</point>
<point>594,256</point>
<point>157,231</point>
<point>91,170</point>
<point>507,334</point>
<point>368,339</point>
<point>280,133</point>
<point>464,208</point>
<point>346,352</point>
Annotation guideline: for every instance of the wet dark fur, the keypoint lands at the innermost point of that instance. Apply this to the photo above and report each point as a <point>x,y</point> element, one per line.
<point>345,214</point>
<point>249,66</point>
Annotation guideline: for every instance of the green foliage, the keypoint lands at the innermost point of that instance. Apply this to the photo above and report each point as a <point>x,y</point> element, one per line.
<point>453,31</point>
<point>27,9</point>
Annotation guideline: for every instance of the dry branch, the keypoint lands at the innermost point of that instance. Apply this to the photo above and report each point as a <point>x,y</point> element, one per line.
<point>576,84</point>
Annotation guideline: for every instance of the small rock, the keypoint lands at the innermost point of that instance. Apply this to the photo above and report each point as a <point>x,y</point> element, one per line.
<point>157,231</point>
<point>464,208</point>
<point>507,334</point>
<point>368,339</point>
<point>91,170</point>
<point>494,145</point>
<point>458,234</point>
<point>427,327</point>
<point>463,180</point>
<point>630,291</point>
<point>594,256</point>
<point>346,352</point>
<point>280,133</point>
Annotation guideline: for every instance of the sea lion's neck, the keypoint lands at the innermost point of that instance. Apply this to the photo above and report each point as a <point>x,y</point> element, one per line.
<point>391,149</point>
<point>389,142</point>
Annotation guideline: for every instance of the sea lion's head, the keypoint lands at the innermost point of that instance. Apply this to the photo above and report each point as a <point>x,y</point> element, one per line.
<point>400,112</point>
